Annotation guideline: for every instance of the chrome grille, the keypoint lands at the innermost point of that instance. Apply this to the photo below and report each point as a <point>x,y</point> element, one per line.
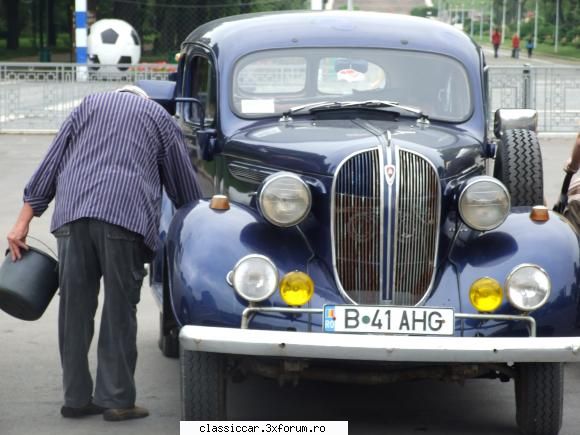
<point>248,173</point>
<point>357,226</point>
<point>416,228</point>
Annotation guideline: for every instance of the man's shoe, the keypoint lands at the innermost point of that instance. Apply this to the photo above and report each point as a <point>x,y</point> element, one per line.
<point>90,409</point>
<point>120,414</point>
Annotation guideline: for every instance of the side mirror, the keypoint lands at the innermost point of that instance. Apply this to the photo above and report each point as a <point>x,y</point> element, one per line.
<point>160,91</point>
<point>509,119</point>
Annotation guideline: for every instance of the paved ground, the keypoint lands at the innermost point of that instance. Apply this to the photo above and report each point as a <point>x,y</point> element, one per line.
<point>30,390</point>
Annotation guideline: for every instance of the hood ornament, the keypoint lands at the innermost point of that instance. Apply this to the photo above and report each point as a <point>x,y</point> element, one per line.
<point>390,174</point>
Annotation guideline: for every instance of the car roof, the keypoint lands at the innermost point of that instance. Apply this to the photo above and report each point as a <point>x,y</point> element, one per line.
<point>237,35</point>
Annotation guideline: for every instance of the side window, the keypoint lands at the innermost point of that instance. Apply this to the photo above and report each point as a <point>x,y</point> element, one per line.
<point>203,87</point>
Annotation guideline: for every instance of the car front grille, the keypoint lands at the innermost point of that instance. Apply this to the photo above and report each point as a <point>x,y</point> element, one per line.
<point>377,262</point>
<point>358,226</point>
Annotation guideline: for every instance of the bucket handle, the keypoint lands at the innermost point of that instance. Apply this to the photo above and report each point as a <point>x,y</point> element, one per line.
<point>45,245</point>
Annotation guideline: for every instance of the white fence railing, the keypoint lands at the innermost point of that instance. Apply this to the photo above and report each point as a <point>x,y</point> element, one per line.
<point>554,91</point>
<point>36,97</point>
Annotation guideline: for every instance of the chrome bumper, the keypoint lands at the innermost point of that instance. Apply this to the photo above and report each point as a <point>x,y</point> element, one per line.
<point>315,345</point>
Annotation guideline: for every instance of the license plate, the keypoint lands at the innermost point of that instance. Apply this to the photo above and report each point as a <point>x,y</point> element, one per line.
<point>388,320</point>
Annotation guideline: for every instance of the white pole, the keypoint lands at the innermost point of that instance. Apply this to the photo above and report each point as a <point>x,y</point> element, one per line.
<point>316,5</point>
<point>471,19</point>
<point>503,23</point>
<point>519,15</point>
<point>481,24</point>
<point>350,5</point>
<point>557,25</point>
<point>490,19</point>
<point>536,25</point>
<point>81,38</point>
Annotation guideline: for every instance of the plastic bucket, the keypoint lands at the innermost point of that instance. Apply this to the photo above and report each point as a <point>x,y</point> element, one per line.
<point>28,285</point>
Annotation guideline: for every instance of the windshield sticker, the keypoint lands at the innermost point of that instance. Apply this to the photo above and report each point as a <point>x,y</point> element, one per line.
<point>258,106</point>
<point>350,75</point>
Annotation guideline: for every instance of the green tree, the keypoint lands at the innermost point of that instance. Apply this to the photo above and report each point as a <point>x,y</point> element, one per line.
<point>12,14</point>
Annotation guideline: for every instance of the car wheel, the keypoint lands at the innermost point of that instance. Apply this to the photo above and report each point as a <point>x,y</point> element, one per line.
<point>168,328</point>
<point>518,165</point>
<point>539,398</point>
<point>203,386</point>
<point>168,341</point>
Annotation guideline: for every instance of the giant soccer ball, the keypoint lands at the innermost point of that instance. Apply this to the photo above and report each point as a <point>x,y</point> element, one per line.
<point>113,42</point>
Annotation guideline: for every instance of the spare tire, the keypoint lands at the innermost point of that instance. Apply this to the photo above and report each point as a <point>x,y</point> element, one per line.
<point>518,165</point>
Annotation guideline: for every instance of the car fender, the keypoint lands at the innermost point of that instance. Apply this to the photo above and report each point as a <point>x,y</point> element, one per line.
<point>203,246</point>
<point>552,245</point>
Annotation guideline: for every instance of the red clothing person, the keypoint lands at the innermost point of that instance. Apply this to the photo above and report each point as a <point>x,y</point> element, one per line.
<point>495,40</point>
<point>516,46</point>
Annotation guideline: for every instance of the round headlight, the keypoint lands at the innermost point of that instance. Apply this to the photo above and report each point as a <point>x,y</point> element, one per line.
<point>254,278</point>
<point>296,288</point>
<point>486,295</point>
<point>484,203</point>
<point>528,287</point>
<point>284,199</point>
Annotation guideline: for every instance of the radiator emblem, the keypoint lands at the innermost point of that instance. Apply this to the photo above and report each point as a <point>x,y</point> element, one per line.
<point>390,174</point>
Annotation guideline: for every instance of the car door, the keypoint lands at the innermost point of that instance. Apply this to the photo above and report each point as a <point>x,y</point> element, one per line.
<point>199,82</point>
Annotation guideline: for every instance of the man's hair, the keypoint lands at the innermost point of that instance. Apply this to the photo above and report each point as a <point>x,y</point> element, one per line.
<point>135,90</point>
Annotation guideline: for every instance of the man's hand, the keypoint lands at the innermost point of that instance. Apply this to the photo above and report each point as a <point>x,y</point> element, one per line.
<point>17,240</point>
<point>17,236</point>
<point>568,168</point>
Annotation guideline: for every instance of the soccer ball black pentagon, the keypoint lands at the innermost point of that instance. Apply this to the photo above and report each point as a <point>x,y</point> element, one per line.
<point>113,42</point>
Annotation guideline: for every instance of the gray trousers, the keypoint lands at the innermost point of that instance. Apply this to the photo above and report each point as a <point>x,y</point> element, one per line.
<point>89,249</point>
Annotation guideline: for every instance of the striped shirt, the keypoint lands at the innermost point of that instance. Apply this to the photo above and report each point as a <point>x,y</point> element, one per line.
<point>109,161</point>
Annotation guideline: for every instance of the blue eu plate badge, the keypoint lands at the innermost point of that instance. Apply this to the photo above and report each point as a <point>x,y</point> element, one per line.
<point>329,318</point>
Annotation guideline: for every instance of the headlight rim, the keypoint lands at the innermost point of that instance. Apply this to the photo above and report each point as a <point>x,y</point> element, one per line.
<point>508,292</point>
<point>231,277</point>
<point>476,180</point>
<point>269,180</point>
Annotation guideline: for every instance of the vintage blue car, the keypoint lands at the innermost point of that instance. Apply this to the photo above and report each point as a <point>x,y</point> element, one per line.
<point>358,220</point>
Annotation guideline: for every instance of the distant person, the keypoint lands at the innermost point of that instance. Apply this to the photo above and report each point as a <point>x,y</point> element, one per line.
<point>495,40</point>
<point>106,168</point>
<point>530,47</point>
<point>516,46</point>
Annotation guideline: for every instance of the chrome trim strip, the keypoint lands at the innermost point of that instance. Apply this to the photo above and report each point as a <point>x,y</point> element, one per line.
<point>413,180</point>
<point>333,222</point>
<point>358,347</point>
<point>386,288</point>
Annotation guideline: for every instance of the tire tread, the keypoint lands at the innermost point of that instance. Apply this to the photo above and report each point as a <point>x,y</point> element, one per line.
<point>203,386</point>
<point>519,167</point>
<point>539,398</point>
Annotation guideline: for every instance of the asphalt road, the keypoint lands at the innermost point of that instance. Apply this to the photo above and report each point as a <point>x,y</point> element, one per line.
<point>30,385</point>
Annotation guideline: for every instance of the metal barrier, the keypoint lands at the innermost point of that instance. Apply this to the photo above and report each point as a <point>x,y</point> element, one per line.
<point>554,91</point>
<point>36,97</point>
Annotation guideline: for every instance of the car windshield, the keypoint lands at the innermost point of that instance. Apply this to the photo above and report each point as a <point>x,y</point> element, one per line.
<point>269,83</point>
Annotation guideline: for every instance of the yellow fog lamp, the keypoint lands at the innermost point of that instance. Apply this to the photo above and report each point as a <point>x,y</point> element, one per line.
<point>486,295</point>
<point>296,288</point>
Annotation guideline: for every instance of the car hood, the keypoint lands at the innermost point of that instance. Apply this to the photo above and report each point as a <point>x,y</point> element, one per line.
<point>319,146</point>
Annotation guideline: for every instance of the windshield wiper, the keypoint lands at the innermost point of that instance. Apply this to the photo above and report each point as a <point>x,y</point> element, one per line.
<point>325,105</point>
